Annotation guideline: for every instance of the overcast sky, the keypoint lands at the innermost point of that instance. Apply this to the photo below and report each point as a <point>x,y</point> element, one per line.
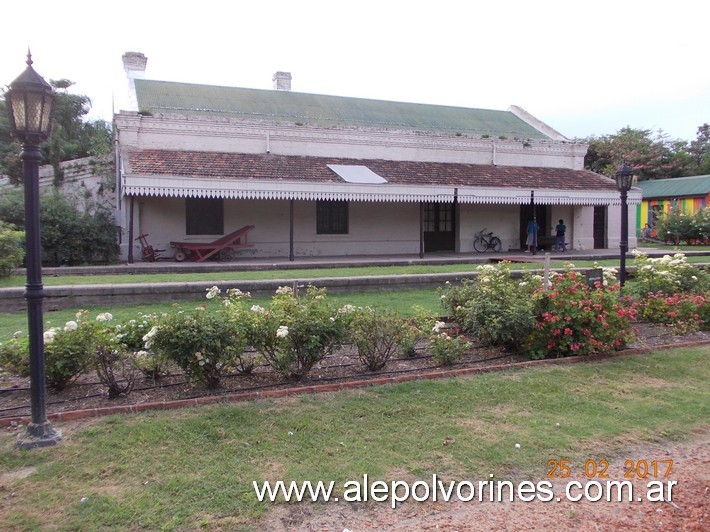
<point>584,68</point>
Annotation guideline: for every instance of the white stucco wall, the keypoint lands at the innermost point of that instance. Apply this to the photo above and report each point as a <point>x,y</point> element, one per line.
<point>614,227</point>
<point>374,228</point>
<point>175,132</point>
<point>566,213</point>
<point>502,220</point>
<point>583,229</point>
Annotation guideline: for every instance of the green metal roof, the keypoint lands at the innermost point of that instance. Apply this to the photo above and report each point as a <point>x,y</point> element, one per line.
<point>698,185</point>
<point>302,108</point>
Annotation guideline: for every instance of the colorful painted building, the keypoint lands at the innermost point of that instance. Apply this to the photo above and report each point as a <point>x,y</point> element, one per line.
<point>689,194</point>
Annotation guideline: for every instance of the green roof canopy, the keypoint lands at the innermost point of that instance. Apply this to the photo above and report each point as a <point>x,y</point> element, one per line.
<point>302,108</point>
<point>676,187</point>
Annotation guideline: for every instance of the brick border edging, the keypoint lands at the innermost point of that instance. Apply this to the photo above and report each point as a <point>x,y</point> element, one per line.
<point>74,415</point>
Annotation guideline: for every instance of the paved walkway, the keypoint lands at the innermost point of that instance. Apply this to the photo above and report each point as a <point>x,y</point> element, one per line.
<point>258,264</point>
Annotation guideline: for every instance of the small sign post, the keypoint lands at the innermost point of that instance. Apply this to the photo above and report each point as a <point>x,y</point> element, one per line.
<point>595,276</point>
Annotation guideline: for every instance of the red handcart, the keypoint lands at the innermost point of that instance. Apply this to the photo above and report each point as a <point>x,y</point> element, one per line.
<point>226,246</point>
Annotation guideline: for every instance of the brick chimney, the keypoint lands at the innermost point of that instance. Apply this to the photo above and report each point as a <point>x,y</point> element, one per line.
<point>282,81</point>
<point>134,64</point>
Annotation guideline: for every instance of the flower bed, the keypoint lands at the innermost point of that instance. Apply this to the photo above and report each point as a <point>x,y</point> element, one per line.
<point>229,344</point>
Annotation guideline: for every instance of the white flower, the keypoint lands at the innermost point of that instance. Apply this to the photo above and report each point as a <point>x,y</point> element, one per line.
<point>346,309</point>
<point>438,326</point>
<point>283,291</point>
<point>282,331</point>
<point>212,292</point>
<point>104,316</point>
<point>236,293</point>
<point>48,336</point>
<point>79,315</point>
<point>142,354</point>
<point>17,334</point>
<point>228,303</point>
<point>148,337</point>
<point>71,326</point>
<point>257,308</point>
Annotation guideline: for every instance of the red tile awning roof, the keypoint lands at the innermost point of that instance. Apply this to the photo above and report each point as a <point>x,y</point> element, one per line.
<point>163,172</point>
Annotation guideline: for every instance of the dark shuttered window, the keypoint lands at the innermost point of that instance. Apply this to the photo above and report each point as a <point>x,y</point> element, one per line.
<point>331,217</point>
<point>204,216</point>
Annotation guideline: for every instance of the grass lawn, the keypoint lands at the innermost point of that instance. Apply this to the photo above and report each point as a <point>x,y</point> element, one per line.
<point>401,301</point>
<point>671,247</point>
<point>194,468</point>
<point>304,274</point>
<point>301,274</point>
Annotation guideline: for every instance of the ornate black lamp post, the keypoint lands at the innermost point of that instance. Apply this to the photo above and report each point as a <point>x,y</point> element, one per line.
<point>624,179</point>
<point>30,104</point>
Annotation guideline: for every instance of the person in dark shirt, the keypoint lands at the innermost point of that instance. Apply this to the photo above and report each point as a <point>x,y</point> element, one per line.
<point>560,230</point>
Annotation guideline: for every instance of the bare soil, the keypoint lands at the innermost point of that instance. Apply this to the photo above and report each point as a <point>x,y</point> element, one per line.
<point>686,511</point>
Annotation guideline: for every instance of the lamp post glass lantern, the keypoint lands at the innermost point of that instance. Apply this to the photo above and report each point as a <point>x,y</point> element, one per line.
<point>624,177</point>
<point>30,104</point>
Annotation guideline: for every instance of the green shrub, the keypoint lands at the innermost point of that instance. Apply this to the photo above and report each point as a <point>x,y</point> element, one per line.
<point>68,351</point>
<point>415,329</point>
<point>574,319</point>
<point>377,334</point>
<point>130,335</point>
<point>69,237</point>
<point>14,355</point>
<point>115,367</point>
<point>11,249</point>
<point>668,274</point>
<point>446,349</point>
<point>687,313</point>
<point>455,297</point>
<point>676,226</point>
<point>297,332</point>
<point>204,343</point>
<point>495,308</point>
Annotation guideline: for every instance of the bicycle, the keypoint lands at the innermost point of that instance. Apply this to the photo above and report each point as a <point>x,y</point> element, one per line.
<point>485,241</point>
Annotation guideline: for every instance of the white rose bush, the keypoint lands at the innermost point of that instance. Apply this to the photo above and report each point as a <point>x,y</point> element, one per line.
<point>296,332</point>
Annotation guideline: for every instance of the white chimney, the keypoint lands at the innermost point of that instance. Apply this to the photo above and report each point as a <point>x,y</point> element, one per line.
<point>134,64</point>
<point>282,81</point>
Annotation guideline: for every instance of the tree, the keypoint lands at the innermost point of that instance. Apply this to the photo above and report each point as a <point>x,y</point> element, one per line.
<point>652,157</point>
<point>9,146</point>
<point>69,237</point>
<point>72,137</point>
<point>699,150</point>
